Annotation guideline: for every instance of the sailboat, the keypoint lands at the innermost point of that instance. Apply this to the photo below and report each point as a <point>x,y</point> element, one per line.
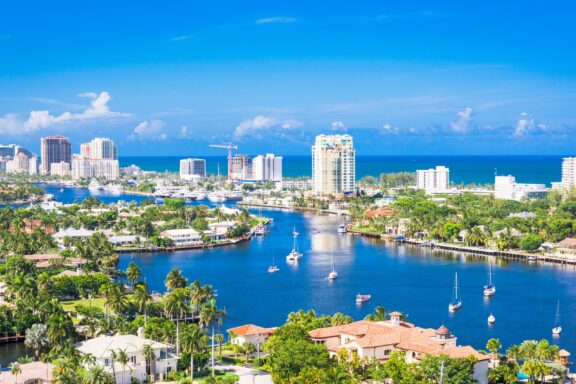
<point>489,289</point>
<point>295,254</point>
<point>456,302</point>
<point>333,275</point>
<point>491,319</point>
<point>273,268</point>
<point>557,327</point>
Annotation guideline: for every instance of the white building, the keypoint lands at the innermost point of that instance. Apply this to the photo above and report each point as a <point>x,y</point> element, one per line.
<point>60,169</point>
<point>101,348</point>
<point>183,237</point>
<point>301,185</point>
<point>333,164</point>
<point>192,169</point>
<point>22,163</point>
<point>84,168</point>
<point>267,167</point>
<point>568,174</point>
<point>506,187</point>
<point>240,168</point>
<point>99,148</point>
<point>433,180</point>
<point>249,333</point>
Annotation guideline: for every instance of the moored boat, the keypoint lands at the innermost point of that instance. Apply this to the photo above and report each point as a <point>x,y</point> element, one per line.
<point>557,330</point>
<point>333,275</point>
<point>456,302</point>
<point>362,298</point>
<point>295,254</point>
<point>490,288</point>
<point>491,319</point>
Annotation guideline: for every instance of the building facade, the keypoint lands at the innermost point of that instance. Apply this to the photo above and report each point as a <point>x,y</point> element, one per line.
<point>17,159</point>
<point>333,164</point>
<point>240,168</point>
<point>506,187</point>
<point>568,173</point>
<point>98,159</point>
<point>61,169</point>
<point>191,169</point>
<point>267,167</point>
<point>54,149</point>
<point>433,180</point>
<point>99,148</point>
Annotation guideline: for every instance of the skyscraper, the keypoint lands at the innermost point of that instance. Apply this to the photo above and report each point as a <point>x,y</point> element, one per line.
<point>54,149</point>
<point>98,159</point>
<point>433,179</point>
<point>192,168</point>
<point>333,164</point>
<point>268,167</point>
<point>102,148</point>
<point>568,173</point>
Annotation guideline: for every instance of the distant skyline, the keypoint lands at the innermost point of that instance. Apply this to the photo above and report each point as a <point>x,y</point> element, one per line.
<point>403,78</point>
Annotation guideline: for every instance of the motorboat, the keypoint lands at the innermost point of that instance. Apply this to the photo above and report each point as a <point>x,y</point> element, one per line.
<point>362,298</point>
<point>217,197</point>
<point>342,228</point>
<point>491,319</point>
<point>260,230</point>
<point>333,274</point>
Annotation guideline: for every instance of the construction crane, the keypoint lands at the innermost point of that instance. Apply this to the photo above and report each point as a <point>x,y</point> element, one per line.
<point>229,147</point>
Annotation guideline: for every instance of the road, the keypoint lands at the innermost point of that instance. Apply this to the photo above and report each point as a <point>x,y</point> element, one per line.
<point>247,375</point>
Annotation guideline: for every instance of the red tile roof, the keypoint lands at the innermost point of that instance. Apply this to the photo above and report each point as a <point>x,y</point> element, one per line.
<point>250,330</point>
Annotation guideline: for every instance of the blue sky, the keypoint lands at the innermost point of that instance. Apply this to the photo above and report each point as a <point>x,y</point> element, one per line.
<point>402,77</point>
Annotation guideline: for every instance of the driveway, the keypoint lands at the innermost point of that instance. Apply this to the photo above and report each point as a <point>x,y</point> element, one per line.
<point>247,375</point>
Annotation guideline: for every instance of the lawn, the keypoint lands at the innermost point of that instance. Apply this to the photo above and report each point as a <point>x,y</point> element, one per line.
<point>70,306</point>
<point>203,377</point>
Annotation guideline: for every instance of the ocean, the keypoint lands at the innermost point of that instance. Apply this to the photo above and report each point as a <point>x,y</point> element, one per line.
<point>463,169</point>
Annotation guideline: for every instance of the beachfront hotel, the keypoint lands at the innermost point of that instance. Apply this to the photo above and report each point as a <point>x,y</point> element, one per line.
<point>433,180</point>
<point>333,165</point>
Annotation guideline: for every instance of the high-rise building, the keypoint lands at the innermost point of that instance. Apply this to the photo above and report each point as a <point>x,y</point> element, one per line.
<point>267,167</point>
<point>192,169</point>
<point>54,149</point>
<point>568,173</point>
<point>60,169</point>
<point>98,159</point>
<point>333,164</point>
<point>240,168</point>
<point>506,188</point>
<point>433,180</point>
<point>17,159</point>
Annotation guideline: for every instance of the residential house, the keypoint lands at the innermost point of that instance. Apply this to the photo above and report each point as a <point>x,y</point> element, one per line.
<point>72,234</point>
<point>101,348</point>
<point>250,333</point>
<point>378,339</point>
<point>567,248</point>
<point>46,260</point>
<point>183,237</point>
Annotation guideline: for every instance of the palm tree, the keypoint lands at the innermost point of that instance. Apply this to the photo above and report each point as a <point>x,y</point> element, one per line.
<point>97,375</point>
<point>249,349</point>
<point>59,326</point>
<point>113,298</point>
<point>193,340</point>
<point>37,338</point>
<point>133,272</point>
<point>211,315</point>
<point>220,340</point>
<point>113,358</point>
<point>142,298</point>
<point>379,314</point>
<point>122,358</point>
<point>174,279</point>
<point>176,305</point>
<point>149,356</point>
<point>15,370</point>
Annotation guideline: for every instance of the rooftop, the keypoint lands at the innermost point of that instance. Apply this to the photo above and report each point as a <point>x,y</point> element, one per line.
<point>250,330</point>
<point>101,346</point>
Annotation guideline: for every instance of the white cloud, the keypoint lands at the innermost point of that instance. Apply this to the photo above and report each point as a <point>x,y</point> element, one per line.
<point>389,129</point>
<point>149,130</point>
<point>526,125</point>
<point>276,20</point>
<point>181,38</point>
<point>12,124</point>
<point>339,126</point>
<point>462,125</point>
<point>261,126</point>
<point>185,133</point>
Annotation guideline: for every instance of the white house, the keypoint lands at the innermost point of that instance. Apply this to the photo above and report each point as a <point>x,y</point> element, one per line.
<point>101,348</point>
<point>72,234</point>
<point>250,333</point>
<point>183,237</point>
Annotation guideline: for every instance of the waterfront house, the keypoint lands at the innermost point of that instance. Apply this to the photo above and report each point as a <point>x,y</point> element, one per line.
<point>72,233</point>
<point>30,226</point>
<point>378,339</point>
<point>218,231</point>
<point>46,260</point>
<point>128,240</point>
<point>36,372</point>
<point>249,333</point>
<point>183,237</point>
<point>101,348</point>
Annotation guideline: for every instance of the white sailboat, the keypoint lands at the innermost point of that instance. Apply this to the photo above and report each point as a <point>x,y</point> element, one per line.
<point>456,302</point>
<point>273,268</point>
<point>490,288</point>
<point>491,319</point>
<point>295,254</point>
<point>557,330</point>
<point>333,275</point>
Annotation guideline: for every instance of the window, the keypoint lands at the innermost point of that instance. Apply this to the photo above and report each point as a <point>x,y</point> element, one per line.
<point>107,362</point>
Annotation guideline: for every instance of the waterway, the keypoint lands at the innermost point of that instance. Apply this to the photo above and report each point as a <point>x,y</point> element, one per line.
<point>415,281</point>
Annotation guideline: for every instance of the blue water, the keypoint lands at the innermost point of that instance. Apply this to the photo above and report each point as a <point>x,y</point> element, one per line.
<point>415,281</point>
<point>463,169</point>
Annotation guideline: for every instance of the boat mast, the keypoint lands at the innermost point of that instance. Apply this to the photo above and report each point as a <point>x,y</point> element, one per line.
<point>456,287</point>
<point>557,315</point>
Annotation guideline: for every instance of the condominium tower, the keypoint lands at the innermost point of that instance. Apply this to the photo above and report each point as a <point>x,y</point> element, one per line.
<point>99,148</point>
<point>568,173</point>
<point>192,169</point>
<point>268,167</point>
<point>98,159</point>
<point>54,149</point>
<point>333,164</point>
<point>433,180</point>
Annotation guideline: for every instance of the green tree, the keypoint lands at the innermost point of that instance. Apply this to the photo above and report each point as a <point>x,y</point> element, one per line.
<point>37,338</point>
<point>97,374</point>
<point>493,345</point>
<point>531,242</point>
<point>211,315</point>
<point>194,341</point>
<point>379,314</point>
<point>133,272</point>
<point>174,279</point>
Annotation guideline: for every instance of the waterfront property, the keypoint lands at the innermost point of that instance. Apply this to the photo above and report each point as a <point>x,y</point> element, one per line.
<point>183,237</point>
<point>376,340</point>
<point>249,333</point>
<point>102,348</point>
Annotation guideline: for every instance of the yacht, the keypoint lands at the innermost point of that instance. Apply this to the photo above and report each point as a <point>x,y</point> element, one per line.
<point>260,230</point>
<point>295,254</point>
<point>333,275</point>
<point>490,288</point>
<point>456,302</point>
<point>342,228</point>
<point>491,319</point>
<point>557,330</point>
<point>273,268</point>
<point>95,186</point>
<point>360,299</point>
<point>217,197</point>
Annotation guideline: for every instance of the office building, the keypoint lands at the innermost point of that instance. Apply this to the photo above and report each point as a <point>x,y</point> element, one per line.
<point>266,167</point>
<point>433,180</point>
<point>506,188</point>
<point>53,150</point>
<point>333,164</point>
<point>192,169</point>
